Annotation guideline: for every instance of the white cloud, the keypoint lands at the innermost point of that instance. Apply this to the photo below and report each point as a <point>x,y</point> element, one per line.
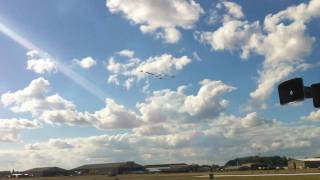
<point>234,11</point>
<point>113,79</point>
<point>299,13</point>
<point>39,64</point>
<point>165,63</point>
<point>9,136</point>
<point>259,134</point>
<point>167,105</point>
<point>231,126</point>
<point>160,17</point>
<point>55,143</point>
<point>129,83</point>
<point>146,88</point>
<point>282,40</point>
<point>85,63</point>
<point>176,127</point>
<point>66,116</point>
<point>284,50</point>
<point>157,129</point>
<point>115,115</point>
<point>313,116</point>
<point>119,68</point>
<point>19,101</point>
<point>232,35</point>
<point>224,11</point>
<point>213,17</point>
<point>126,53</point>
<point>134,69</point>
<point>196,56</point>
<point>10,128</point>
<point>55,110</point>
<point>161,106</point>
<point>18,124</point>
<point>226,136</point>
<point>33,99</point>
<point>170,35</point>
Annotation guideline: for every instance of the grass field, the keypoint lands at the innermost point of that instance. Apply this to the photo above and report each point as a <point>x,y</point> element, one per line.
<point>194,176</point>
<point>177,177</point>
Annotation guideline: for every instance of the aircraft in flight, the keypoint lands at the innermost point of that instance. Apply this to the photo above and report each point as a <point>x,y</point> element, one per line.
<point>159,76</point>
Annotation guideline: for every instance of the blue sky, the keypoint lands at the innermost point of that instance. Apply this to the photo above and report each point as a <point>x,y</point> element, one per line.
<point>99,30</point>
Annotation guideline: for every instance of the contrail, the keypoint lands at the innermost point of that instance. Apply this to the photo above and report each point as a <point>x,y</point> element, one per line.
<point>80,80</point>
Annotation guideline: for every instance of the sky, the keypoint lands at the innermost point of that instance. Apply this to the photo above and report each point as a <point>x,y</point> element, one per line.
<point>75,87</point>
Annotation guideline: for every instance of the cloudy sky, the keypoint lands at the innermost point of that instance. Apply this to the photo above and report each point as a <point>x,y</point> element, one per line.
<point>74,89</point>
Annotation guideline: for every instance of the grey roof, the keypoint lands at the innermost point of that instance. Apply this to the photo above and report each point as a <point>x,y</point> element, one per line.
<point>164,165</point>
<point>310,159</point>
<point>108,165</point>
<point>4,173</point>
<point>41,169</point>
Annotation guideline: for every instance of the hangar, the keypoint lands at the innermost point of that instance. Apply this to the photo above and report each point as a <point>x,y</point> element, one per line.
<point>109,168</point>
<point>4,173</point>
<point>304,163</point>
<point>169,168</point>
<point>46,172</point>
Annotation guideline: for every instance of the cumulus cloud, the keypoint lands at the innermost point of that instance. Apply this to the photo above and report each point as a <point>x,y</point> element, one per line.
<point>165,63</point>
<point>282,40</point>
<point>170,124</point>
<point>232,35</point>
<point>40,64</point>
<point>151,130</point>
<point>161,106</point>
<point>224,11</point>
<point>284,50</point>
<point>93,149</point>
<point>126,53</point>
<point>226,136</point>
<point>233,125</point>
<point>85,63</point>
<point>9,136</point>
<point>234,10</point>
<point>160,17</point>
<point>132,71</point>
<point>267,136</point>
<point>10,128</point>
<point>175,125</point>
<point>55,110</point>
<point>196,56</point>
<point>18,124</point>
<point>113,79</point>
<point>167,105</point>
<point>115,115</point>
<point>313,116</point>
<point>33,99</point>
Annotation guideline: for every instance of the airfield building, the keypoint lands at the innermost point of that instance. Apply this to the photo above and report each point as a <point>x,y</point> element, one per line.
<point>4,173</point>
<point>304,163</point>
<point>169,168</point>
<point>109,169</point>
<point>46,172</point>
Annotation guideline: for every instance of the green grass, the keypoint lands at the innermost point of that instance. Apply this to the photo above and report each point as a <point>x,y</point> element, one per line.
<point>274,178</point>
<point>192,176</point>
<point>180,178</point>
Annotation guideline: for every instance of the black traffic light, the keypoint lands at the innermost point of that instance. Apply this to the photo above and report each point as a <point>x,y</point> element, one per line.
<point>315,90</point>
<point>294,90</point>
<point>291,91</point>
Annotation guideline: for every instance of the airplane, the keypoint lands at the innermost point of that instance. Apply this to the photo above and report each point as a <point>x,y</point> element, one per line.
<point>159,76</point>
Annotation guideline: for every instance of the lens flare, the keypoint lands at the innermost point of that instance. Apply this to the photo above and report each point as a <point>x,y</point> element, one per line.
<point>80,80</point>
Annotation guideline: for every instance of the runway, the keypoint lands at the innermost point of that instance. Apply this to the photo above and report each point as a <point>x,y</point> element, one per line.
<point>259,175</point>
